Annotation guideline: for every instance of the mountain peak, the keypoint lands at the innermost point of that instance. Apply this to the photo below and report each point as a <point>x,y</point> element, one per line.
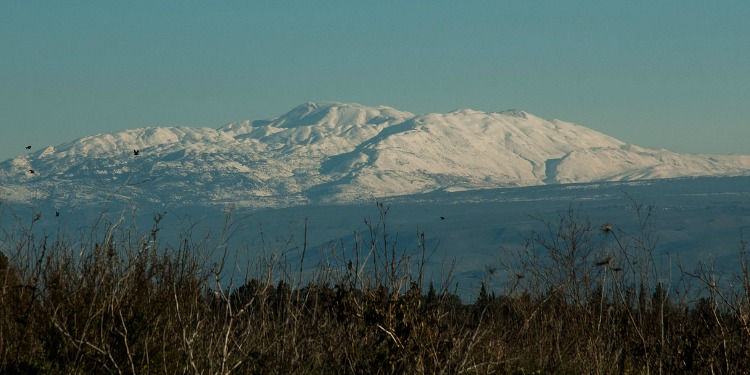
<point>336,113</point>
<point>515,112</point>
<point>308,108</point>
<point>466,112</point>
<point>331,151</point>
<point>511,112</point>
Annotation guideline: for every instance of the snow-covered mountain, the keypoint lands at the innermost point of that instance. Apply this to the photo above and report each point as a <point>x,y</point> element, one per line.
<point>336,152</point>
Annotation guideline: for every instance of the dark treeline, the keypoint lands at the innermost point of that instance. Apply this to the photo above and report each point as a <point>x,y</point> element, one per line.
<point>578,298</point>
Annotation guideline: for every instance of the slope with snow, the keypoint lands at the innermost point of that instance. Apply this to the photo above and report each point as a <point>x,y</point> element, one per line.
<point>336,152</point>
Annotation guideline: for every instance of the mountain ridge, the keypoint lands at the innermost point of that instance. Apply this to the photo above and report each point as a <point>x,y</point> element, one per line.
<point>340,152</point>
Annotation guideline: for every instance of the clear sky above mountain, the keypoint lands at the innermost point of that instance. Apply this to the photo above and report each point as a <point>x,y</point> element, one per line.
<point>669,74</point>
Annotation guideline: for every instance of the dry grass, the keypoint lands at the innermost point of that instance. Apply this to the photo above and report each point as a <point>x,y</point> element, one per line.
<point>580,298</point>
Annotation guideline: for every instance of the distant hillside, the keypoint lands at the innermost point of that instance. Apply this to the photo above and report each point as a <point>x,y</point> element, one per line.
<point>337,152</point>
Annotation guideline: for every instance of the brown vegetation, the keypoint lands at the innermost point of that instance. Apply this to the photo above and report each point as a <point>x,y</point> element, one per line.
<point>579,299</point>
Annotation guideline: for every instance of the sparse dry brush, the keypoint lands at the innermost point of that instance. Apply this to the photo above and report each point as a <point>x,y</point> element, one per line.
<point>578,298</point>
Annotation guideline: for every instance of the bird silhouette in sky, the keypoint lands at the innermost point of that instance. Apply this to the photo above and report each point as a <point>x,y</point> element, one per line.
<point>31,171</point>
<point>136,152</point>
<point>28,147</point>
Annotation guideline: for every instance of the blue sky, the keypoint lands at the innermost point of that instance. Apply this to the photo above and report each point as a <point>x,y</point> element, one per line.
<point>665,74</point>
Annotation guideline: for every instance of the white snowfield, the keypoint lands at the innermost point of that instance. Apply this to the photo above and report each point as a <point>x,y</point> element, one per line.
<point>338,152</point>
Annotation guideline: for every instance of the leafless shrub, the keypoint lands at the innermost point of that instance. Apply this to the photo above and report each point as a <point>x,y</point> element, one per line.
<point>580,297</point>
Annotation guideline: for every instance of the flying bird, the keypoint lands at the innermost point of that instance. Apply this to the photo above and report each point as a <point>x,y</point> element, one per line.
<point>442,217</point>
<point>136,152</point>
<point>31,171</point>
<point>28,147</point>
<point>57,213</point>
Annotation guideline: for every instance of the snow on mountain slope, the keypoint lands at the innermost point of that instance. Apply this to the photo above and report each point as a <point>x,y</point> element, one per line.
<point>335,152</point>
<point>461,150</point>
<point>636,163</point>
<point>319,128</point>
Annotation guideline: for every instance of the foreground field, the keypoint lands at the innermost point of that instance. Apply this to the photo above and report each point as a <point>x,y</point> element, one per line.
<point>578,298</point>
